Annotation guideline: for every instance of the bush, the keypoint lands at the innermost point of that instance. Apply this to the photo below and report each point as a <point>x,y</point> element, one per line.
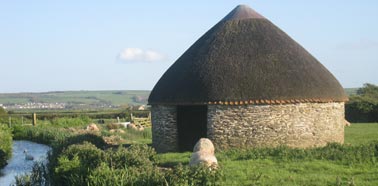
<point>5,145</point>
<point>40,134</point>
<point>82,159</point>
<point>71,122</point>
<point>363,107</point>
<point>105,175</point>
<point>75,163</point>
<point>198,175</point>
<point>134,156</point>
<point>85,164</point>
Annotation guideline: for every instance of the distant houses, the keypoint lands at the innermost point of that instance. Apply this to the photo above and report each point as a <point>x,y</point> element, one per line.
<point>32,105</point>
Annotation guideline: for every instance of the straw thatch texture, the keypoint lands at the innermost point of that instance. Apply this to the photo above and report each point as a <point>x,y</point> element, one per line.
<point>245,59</point>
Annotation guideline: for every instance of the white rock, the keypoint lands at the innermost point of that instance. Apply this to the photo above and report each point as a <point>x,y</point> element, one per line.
<point>203,153</point>
<point>204,158</point>
<point>204,145</point>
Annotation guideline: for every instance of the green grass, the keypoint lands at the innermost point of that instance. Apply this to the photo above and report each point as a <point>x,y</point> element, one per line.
<point>361,133</point>
<point>270,172</point>
<point>5,144</point>
<point>287,168</point>
<point>172,159</point>
<point>50,131</point>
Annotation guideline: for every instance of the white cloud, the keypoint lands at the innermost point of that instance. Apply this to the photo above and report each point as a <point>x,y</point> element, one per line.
<point>140,55</point>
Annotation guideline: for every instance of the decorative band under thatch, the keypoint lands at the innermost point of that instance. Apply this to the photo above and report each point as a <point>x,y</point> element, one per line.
<point>271,102</point>
<point>256,102</point>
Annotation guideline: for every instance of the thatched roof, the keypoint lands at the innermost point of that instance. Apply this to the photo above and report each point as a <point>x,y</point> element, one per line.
<point>246,59</point>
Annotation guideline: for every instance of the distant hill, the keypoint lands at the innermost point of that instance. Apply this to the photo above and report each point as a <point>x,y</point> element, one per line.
<point>92,99</point>
<point>82,99</point>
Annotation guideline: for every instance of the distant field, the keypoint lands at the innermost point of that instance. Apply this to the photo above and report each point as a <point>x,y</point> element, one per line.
<point>116,97</point>
<point>113,97</point>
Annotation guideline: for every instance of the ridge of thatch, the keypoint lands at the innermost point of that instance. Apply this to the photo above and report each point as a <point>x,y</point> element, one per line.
<point>242,12</point>
<point>242,60</point>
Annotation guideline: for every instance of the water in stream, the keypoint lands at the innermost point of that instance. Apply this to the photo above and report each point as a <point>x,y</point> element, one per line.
<point>18,165</point>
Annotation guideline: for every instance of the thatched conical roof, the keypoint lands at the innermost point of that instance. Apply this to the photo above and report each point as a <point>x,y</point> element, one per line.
<point>246,59</point>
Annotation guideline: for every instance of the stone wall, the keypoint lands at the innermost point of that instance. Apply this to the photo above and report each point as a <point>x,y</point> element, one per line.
<point>164,128</point>
<point>295,125</point>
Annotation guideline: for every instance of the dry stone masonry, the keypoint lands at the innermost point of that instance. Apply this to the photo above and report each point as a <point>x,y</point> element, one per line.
<point>164,128</point>
<point>295,125</point>
<point>300,125</point>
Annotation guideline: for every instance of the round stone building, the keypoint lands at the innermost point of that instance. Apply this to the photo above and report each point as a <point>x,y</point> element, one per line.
<point>246,83</point>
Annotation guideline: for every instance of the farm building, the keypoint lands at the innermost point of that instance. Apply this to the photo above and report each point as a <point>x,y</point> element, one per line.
<point>246,83</point>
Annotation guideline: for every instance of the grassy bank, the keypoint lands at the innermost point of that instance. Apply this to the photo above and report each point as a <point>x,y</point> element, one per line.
<point>81,157</point>
<point>5,145</point>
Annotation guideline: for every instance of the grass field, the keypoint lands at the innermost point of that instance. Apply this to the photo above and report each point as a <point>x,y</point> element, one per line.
<point>361,133</point>
<point>296,171</point>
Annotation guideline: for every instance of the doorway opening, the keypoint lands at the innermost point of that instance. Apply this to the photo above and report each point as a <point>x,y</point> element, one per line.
<point>191,125</point>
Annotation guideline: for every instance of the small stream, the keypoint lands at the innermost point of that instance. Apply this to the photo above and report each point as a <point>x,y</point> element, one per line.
<point>18,165</point>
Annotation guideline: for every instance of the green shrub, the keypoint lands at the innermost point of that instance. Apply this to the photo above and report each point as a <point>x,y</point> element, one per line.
<point>5,145</point>
<point>81,159</point>
<point>40,134</point>
<point>139,155</point>
<point>127,176</point>
<point>197,175</point>
<point>3,116</point>
<point>135,155</point>
<point>75,163</point>
<point>363,107</point>
<point>71,122</point>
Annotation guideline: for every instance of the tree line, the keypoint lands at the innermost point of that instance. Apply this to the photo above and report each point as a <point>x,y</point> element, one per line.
<point>363,106</point>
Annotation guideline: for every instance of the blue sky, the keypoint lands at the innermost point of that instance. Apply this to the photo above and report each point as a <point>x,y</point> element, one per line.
<point>127,45</point>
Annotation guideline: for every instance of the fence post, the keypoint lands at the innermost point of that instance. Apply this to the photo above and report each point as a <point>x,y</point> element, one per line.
<point>34,119</point>
<point>10,121</point>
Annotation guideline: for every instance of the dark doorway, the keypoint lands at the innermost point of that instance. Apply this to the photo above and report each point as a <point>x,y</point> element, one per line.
<point>191,125</point>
